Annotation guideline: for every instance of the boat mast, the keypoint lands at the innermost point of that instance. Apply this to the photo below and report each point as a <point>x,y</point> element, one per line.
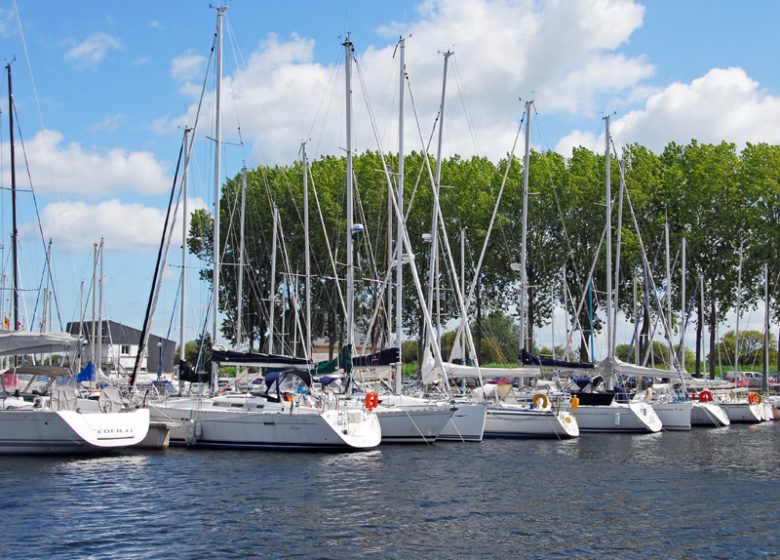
<point>765,368</point>
<point>183,280</point>
<point>217,181</point>
<point>15,233</point>
<point>306,256</point>
<point>463,290</point>
<point>93,329</point>
<point>524,240</point>
<point>434,254</point>
<point>240,295</point>
<point>668,292</point>
<point>739,310</point>
<point>100,311</point>
<point>607,160</point>
<point>272,293</point>
<point>348,49</point>
<point>399,243</point>
<point>683,305</point>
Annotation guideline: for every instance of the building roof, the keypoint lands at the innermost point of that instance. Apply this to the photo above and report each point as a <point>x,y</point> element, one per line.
<point>114,333</point>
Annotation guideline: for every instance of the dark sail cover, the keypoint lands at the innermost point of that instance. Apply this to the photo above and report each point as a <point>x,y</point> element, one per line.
<point>382,358</point>
<point>342,361</point>
<point>529,359</point>
<point>186,373</point>
<point>259,360</point>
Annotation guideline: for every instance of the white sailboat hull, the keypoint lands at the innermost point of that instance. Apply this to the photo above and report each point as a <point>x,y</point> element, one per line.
<point>466,424</point>
<point>635,417</point>
<point>743,412</point>
<point>674,415</point>
<point>67,431</point>
<point>508,421</point>
<point>204,424</point>
<point>412,424</point>
<point>709,414</point>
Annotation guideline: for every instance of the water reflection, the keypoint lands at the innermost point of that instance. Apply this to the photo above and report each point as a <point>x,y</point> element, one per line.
<point>705,493</point>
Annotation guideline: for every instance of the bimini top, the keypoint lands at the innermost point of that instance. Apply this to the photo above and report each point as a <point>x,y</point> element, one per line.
<point>259,360</point>
<point>41,369</point>
<point>277,376</point>
<point>17,343</point>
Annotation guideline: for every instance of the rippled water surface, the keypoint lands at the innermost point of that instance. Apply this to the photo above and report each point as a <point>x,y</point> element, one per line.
<point>700,494</point>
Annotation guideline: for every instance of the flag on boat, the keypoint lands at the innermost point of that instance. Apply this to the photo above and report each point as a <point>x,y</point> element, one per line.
<point>88,373</point>
<point>10,381</point>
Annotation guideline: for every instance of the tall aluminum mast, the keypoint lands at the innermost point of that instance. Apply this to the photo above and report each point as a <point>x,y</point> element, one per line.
<point>306,256</point>
<point>399,243</point>
<point>240,294</point>
<point>523,242</point>
<point>434,254</point>
<point>217,184</point>
<point>607,158</point>
<point>348,49</point>
<point>183,311</point>
<point>15,233</point>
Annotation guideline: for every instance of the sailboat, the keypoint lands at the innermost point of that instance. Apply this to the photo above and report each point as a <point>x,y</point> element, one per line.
<point>53,419</point>
<point>607,408</point>
<point>401,420</point>
<point>549,418</point>
<point>287,415</point>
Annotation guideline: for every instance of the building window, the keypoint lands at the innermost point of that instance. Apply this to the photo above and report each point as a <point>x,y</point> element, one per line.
<point>125,349</point>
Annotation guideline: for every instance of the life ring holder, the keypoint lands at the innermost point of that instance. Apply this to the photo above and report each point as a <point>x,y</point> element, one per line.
<point>372,400</point>
<point>545,402</point>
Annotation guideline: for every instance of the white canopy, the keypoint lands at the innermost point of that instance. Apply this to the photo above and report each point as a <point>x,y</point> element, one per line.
<point>429,371</point>
<point>16,343</point>
<point>616,366</point>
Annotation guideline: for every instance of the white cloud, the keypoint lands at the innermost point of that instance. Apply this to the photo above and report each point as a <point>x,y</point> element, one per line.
<point>58,167</point>
<point>564,53</point>
<point>187,66</point>
<point>93,49</point>
<point>154,24</point>
<point>108,124</point>
<point>724,104</point>
<point>7,23</point>
<point>126,227</point>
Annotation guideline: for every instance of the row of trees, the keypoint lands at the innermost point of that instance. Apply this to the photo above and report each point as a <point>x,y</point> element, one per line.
<point>725,203</point>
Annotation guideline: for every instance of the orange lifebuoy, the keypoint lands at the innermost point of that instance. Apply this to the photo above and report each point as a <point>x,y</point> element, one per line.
<point>372,400</point>
<point>705,396</point>
<point>754,398</point>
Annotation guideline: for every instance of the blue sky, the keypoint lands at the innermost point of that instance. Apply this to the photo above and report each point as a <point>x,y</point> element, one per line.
<point>116,79</point>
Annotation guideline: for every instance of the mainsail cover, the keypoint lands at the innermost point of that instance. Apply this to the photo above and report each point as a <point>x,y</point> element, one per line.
<point>259,360</point>
<point>342,361</point>
<point>385,357</point>
<point>533,360</point>
<point>615,366</point>
<point>186,373</point>
<point>430,371</point>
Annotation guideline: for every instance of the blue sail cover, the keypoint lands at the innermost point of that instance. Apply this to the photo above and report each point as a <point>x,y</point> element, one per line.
<point>533,360</point>
<point>88,373</point>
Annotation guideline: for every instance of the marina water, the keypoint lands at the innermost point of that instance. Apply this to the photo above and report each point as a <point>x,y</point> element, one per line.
<point>709,493</point>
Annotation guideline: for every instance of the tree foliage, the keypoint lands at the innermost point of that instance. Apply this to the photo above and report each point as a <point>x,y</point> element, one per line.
<point>724,203</point>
